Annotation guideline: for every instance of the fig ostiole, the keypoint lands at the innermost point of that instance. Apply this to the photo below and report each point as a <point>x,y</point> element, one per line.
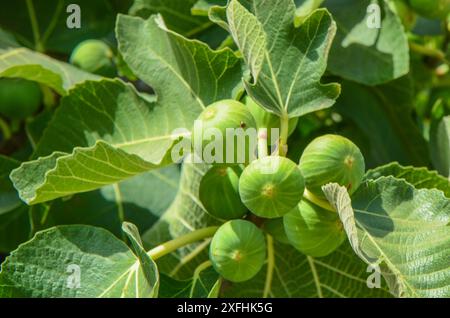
<point>19,98</point>
<point>94,56</point>
<point>313,230</point>
<point>332,159</point>
<point>219,193</point>
<point>271,186</point>
<point>238,250</point>
<point>225,132</point>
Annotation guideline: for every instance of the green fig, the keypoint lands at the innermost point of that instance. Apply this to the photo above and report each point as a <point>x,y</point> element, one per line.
<point>219,193</point>
<point>332,159</point>
<point>238,250</point>
<point>225,132</point>
<point>271,186</point>
<point>94,56</point>
<point>19,98</point>
<point>313,230</point>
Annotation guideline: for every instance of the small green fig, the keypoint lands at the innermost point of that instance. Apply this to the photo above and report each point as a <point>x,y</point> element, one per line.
<point>275,228</point>
<point>271,186</point>
<point>238,250</point>
<point>219,193</point>
<point>94,56</point>
<point>226,130</point>
<point>264,119</point>
<point>332,158</point>
<point>19,98</point>
<point>312,230</point>
<point>432,9</point>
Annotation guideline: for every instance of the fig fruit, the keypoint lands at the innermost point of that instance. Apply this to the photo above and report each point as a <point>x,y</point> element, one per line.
<point>19,98</point>
<point>332,158</point>
<point>226,132</point>
<point>238,250</point>
<point>94,56</point>
<point>219,193</point>
<point>313,230</point>
<point>275,228</point>
<point>404,12</point>
<point>432,9</point>
<point>271,186</point>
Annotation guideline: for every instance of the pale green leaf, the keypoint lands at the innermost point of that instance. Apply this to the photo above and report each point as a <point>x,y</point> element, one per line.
<point>52,262</point>
<point>403,230</point>
<point>364,51</point>
<point>286,62</point>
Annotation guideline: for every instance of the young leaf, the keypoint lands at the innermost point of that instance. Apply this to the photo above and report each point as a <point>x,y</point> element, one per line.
<point>371,46</point>
<point>286,62</point>
<point>74,261</point>
<point>420,178</point>
<point>403,230</point>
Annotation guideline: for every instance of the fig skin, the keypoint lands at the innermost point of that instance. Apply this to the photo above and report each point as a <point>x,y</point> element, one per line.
<point>332,159</point>
<point>219,193</point>
<point>238,250</point>
<point>271,186</point>
<point>275,228</point>
<point>432,9</point>
<point>94,56</point>
<point>313,230</point>
<point>223,115</point>
<point>264,119</point>
<point>19,98</point>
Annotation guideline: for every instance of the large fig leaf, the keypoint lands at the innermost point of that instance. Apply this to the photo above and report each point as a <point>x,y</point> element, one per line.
<point>403,230</point>
<point>286,62</point>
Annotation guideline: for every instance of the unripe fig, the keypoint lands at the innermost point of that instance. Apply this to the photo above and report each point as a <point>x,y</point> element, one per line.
<point>217,129</point>
<point>312,230</point>
<point>432,9</point>
<point>19,98</point>
<point>275,228</point>
<point>94,56</point>
<point>219,193</point>
<point>238,250</point>
<point>264,119</point>
<point>332,158</point>
<point>271,186</point>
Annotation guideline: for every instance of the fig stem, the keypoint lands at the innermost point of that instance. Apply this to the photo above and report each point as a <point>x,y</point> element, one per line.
<point>427,51</point>
<point>284,132</point>
<point>319,202</point>
<point>173,245</point>
<point>34,26</point>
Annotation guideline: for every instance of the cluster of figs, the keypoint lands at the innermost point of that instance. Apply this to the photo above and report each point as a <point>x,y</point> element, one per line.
<point>284,201</point>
